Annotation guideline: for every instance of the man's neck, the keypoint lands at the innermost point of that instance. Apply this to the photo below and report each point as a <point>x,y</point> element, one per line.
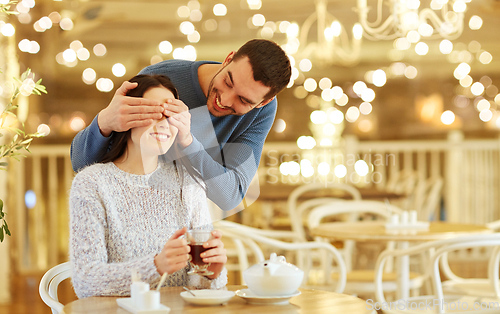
<point>206,73</point>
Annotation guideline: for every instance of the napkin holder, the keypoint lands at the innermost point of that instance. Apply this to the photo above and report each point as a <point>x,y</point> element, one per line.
<point>142,300</point>
<point>406,221</point>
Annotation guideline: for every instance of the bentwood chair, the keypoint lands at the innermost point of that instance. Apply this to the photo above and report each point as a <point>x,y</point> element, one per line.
<point>256,239</point>
<point>298,210</point>
<point>361,281</point>
<point>482,287</point>
<point>49,284</point>
<point>441,302</point>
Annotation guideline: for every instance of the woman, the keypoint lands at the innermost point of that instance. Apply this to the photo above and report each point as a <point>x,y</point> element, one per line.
<point>130,212</point>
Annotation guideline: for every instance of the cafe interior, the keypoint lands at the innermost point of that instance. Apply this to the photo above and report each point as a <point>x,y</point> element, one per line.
<point>378,181</point>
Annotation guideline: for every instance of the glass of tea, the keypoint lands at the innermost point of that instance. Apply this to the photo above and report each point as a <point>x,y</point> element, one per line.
<point>195,239</point>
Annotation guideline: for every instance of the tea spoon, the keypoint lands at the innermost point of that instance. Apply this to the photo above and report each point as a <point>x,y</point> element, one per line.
<point>189,291</point>
<point>162,280</point>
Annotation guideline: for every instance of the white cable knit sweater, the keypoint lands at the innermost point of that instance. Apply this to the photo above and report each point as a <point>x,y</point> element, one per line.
<point>120,221</point>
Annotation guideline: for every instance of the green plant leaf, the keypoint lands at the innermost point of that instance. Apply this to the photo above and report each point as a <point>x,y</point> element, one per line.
<point>1,234</point>
<point>4,164</point>
<point>7,231</point>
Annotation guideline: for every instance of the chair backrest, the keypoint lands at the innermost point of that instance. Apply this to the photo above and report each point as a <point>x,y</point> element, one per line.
<point>252,236</point>
<point>439,250</point>
<point>404,181</point>
<point>296,210</point>
<point>427,197</point>
<point>354,209</point>
<point>377,208</point>
<point>49,284</point>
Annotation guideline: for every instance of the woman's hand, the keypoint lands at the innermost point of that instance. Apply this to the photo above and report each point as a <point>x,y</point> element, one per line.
<point>216,256</point>
<point>179,117</point>
<point>175,254</point>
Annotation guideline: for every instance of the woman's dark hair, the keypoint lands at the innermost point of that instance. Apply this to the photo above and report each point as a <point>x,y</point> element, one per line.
<point>145,82</point>
<point>119,140</point>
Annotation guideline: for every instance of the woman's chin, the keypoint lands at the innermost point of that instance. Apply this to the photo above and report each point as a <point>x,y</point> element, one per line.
<point>164,147</point>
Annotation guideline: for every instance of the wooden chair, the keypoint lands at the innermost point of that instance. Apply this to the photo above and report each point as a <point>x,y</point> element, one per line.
<point>482,287</point>
<point>427,197</point>
<point>298,211</point>
<point>49,284</point>
<point>438,251</point>
<point>361,281</point>
<point>299,208</point>
<point>254,238</point>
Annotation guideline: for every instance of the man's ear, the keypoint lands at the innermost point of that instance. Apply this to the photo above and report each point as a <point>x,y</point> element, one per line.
<point>262,104</point>
<point>229,58</point>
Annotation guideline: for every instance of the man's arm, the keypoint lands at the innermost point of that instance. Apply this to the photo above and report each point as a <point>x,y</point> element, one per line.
<point>228,178</point>
<point>88,146</point>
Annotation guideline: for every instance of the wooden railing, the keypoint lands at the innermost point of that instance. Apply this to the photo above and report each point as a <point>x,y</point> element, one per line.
<point>470,168</point>
<point>40,232</point>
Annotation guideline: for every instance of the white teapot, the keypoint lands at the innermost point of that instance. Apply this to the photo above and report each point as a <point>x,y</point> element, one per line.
<point>273,277</point>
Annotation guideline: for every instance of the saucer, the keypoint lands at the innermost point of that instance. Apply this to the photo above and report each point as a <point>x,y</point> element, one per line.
<point>251,297</point>
<point>208,297</point>
<point>130,306</point>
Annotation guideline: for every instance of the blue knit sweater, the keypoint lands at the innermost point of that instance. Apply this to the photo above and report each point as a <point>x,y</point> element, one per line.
<point>225,151</point>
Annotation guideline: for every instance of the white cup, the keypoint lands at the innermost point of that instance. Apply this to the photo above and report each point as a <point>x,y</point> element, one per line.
<point>149,300</point>
<point>137,288</point>
<point>395,219</point>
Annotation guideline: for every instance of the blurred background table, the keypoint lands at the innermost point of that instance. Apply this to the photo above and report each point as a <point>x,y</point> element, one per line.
<point>309,301</point>
<point>376,232</point>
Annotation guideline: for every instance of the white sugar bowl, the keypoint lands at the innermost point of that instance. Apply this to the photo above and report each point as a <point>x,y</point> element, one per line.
<point>273,277</point>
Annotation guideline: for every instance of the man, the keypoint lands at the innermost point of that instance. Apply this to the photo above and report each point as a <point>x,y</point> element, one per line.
<point>231,106</point>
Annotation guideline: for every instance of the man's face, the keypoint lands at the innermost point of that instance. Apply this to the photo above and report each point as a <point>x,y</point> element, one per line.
<point>233,90</point>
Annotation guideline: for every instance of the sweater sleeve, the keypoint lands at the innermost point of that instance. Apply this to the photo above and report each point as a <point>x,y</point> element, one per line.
<point>88,146</point>
<point>227,181</point>
<point>92,274</point>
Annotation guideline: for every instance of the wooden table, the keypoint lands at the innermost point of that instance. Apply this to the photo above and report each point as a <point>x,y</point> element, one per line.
<point>309,301</point>
<point>280,192</point>
<point>376,232</point>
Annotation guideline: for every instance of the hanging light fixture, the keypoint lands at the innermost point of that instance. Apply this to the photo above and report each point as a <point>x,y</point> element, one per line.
<point>442,19</point>
<point>332,44</point>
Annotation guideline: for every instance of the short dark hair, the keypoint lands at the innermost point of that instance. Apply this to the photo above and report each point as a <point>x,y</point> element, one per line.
<point>270,64</point>
<point>144,83</point>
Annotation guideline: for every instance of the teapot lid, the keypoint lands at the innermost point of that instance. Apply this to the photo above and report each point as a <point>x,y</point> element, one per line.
<point>274,266</point>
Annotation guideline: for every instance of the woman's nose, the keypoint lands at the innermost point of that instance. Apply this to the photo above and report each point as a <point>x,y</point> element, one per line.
<point>163,124</point>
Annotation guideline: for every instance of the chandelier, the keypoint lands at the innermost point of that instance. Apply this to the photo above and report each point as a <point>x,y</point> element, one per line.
<point>332,44</point>
<point>442,19</point>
